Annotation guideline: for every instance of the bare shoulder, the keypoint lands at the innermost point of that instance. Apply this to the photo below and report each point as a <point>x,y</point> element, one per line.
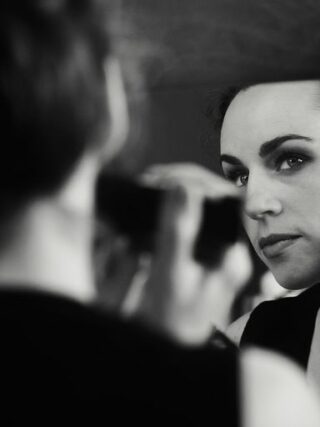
<point>275,392</point>
<point>235,329</point>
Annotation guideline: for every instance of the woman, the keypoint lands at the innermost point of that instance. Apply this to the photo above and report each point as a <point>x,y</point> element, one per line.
<point>270,149</point>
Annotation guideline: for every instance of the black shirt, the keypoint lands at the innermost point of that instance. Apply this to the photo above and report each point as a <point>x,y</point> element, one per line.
<point>62,361</point>
<point>285,325</point>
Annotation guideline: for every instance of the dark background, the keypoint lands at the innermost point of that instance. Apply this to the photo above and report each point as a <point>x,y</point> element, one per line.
<point>188,49</point>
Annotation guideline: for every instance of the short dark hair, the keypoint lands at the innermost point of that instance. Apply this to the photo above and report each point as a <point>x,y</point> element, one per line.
<point>52,91</point>
<point>218,104</point>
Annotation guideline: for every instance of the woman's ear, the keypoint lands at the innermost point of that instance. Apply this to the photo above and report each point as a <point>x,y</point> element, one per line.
<point>117,108</point>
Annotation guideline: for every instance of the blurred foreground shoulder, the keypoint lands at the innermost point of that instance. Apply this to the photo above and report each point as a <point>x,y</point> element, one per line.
<point>275,393</point>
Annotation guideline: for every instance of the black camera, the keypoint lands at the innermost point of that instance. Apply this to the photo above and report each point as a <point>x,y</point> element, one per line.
<point>133,210</point>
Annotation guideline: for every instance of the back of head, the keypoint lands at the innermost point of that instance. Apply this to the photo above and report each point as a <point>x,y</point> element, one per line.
<point>52,92</point>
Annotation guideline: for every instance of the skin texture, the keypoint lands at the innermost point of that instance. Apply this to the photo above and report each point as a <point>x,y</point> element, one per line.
<point>274,392</point>
<point>281,189</point>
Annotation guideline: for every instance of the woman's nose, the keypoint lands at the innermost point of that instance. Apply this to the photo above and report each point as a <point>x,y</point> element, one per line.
<point>261,200</point>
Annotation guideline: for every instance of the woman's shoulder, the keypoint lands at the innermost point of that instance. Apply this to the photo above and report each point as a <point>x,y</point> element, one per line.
<point>275,392</point>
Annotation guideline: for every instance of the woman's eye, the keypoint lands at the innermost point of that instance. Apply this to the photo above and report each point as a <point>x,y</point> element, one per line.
<point>292,162</point>
<point>237,176</point>
<point>241,180</point>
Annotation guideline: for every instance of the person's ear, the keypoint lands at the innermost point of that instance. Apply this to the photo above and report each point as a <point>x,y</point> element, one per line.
<point>117,108</point>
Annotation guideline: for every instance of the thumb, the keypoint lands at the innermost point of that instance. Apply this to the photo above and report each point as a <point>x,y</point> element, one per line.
<point>179,223</point>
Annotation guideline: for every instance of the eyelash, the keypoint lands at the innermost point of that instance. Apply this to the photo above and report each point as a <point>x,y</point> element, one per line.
<point>276,163</point>
<point>235,174</point>
<point>286,155</point>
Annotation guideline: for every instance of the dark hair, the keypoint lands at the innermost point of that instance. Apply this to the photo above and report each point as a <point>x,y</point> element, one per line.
<point>218,104</point>
<point>52,90</point>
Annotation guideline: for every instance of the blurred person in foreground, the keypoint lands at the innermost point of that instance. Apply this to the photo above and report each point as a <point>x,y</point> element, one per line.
<point>63,115</point>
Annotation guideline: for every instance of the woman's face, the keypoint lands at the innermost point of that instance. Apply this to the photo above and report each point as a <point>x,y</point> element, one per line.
<point>270,149</point>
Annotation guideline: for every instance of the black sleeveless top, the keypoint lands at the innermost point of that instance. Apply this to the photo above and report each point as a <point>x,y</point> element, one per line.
<point>64,363</point>
<point>285,325</point>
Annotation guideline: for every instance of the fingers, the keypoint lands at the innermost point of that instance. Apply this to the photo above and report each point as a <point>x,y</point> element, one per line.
<point>192,176</point>
<point>237,266</point>
<point>134,296</point>
<point>175,277</point>
<point>116,265</point>
<point>179,225</point>
<point>221,286</point>
<point>181,296</point>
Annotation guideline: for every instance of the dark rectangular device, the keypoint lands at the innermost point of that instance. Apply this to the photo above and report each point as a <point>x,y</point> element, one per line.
<point>133,210</point>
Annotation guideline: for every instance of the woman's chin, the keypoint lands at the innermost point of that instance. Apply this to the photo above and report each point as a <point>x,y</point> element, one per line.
<point>294,282</point>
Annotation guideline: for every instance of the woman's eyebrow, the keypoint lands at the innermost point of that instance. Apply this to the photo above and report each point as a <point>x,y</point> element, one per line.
<point>230,159</point>
<point>270,146</point>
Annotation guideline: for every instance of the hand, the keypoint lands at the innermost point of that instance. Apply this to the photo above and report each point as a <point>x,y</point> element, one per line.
<point>189,175</point>
<point>168,288</point>
<point>180,296</point>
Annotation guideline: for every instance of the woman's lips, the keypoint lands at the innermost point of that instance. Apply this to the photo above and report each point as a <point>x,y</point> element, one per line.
<point>273,245</point>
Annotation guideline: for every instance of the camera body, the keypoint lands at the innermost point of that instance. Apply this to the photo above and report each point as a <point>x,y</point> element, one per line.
<point>132,209</point>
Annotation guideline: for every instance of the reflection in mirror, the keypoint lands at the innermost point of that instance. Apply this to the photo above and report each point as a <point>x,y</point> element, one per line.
<point>270,150</point>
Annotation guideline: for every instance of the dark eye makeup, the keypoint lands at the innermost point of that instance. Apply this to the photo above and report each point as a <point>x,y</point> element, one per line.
<point>238,175</point>
<point>289,160</point>
<point>283,161</point>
